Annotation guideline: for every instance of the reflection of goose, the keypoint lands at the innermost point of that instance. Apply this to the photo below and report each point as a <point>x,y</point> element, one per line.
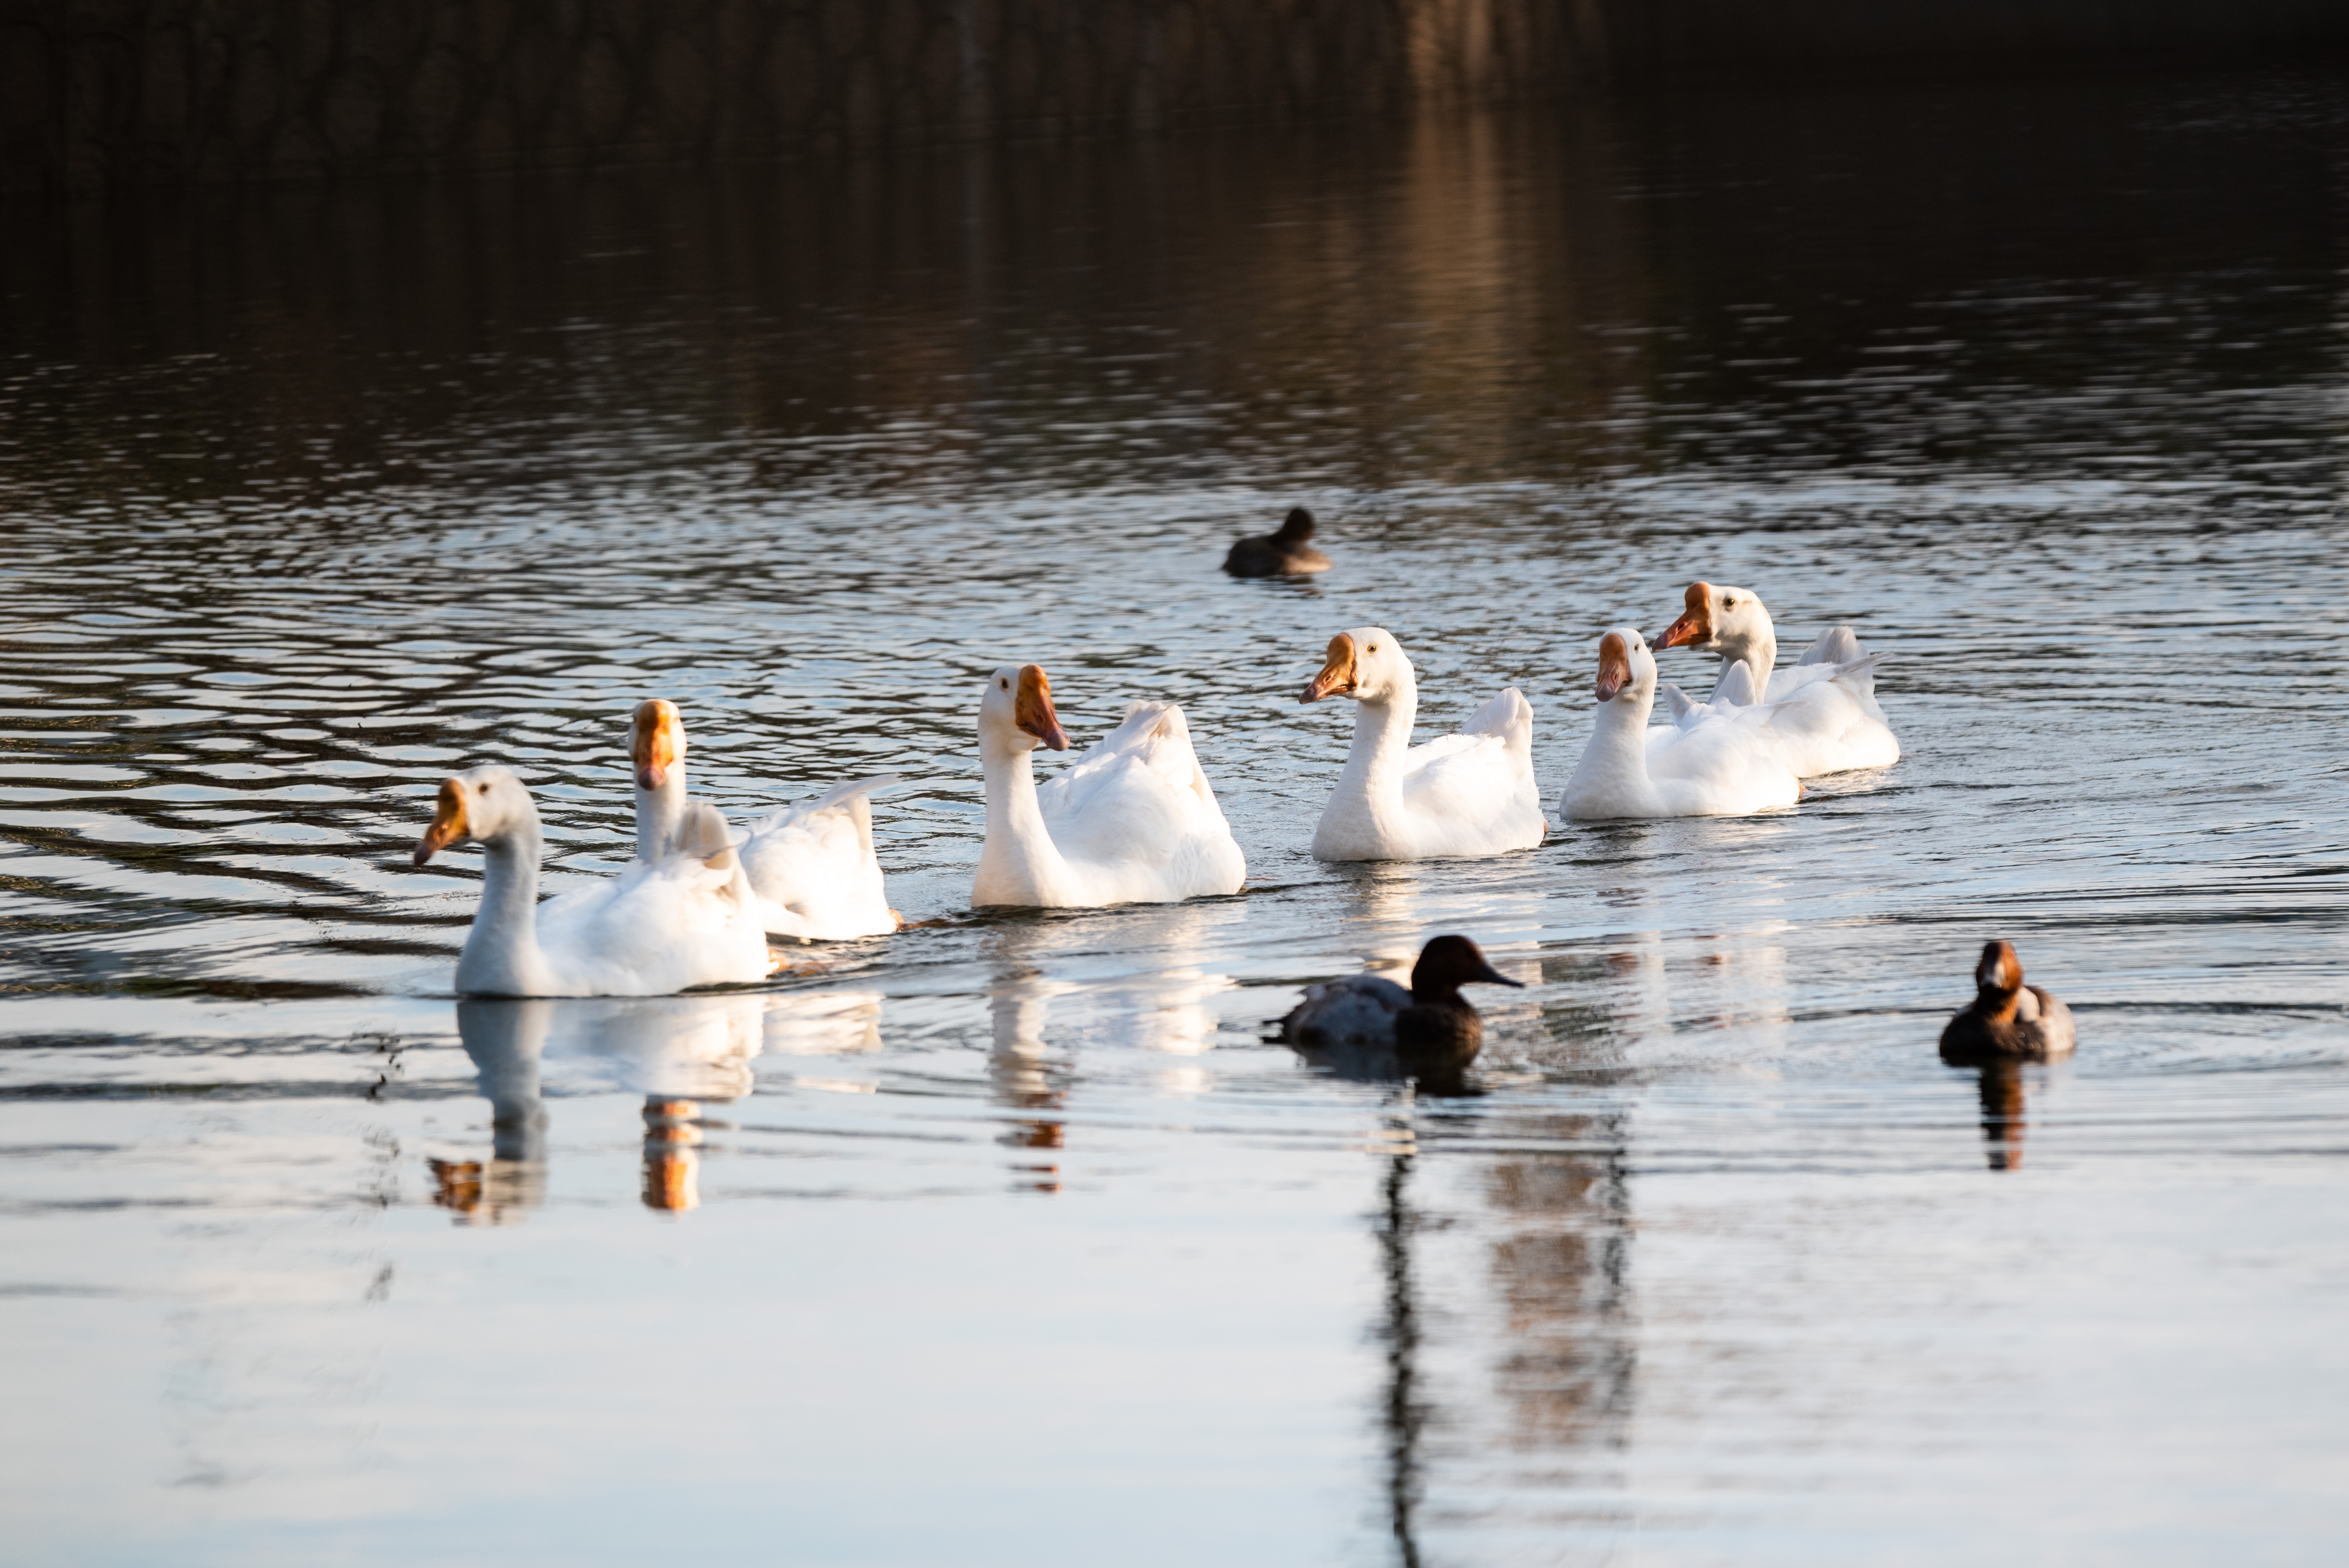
<point>1160,1002</point>
<point>1016,1066</point>
<point>676,1051</point>
<point>1463,795</point>
<point>822,1023</point>
<point>811,864</point>
<point>505,1041</point>
<point>1133,820</point>
<point>689,919</point>
<point>668,1048</point>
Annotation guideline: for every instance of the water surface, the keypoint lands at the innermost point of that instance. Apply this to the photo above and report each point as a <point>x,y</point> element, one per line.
<point>1009,1238</point>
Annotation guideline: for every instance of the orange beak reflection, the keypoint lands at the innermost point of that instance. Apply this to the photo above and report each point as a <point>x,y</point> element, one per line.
<point>1032,711</point>
<point>1614,665</point>
<point>1337,676</point>
<point>658,744</point>
<point>1696,624</point>
<point>449,824</point>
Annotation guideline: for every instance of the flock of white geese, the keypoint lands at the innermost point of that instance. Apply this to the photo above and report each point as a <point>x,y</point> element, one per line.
<point>1134,818</point>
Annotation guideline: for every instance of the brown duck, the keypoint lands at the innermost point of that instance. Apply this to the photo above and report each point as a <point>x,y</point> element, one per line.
<point>2009,1021</point>
<point>1280,554</point>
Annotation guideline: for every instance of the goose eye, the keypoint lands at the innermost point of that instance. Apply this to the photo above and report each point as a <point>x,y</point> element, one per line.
<point>1004,685</point>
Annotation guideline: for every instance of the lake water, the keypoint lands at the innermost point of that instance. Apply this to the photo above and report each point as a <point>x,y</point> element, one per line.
<point>1008,1239</point>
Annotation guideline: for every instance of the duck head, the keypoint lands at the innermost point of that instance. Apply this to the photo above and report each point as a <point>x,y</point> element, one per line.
<point>1448,963</point>
<point>1297,527</point>
<point>1730,622</point>
<point>1625,665</point>
<point>1366,663</point>
<point>474,807</point>
<point>1015,711</point>
<point>658,743</point>
<point>2000,970</point>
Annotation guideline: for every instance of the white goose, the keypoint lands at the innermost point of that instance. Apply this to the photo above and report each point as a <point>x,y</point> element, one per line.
<point>690,918</point>
<point>1827,713</point>
<point>1712,766</point>
<point>1458,796</point>
<point>811,864</point>
<point>1133,820</point>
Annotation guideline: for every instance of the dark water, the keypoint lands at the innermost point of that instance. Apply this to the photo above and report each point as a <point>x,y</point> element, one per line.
<point>1007,1239</point>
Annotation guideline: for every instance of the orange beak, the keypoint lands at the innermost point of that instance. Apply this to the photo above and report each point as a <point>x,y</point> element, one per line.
<point>1696,624</point>
<point>1337,676</point>
<point>658,744</point>
<point>1614,665</point>
<point>1032,711</point>
<point>448,822</point>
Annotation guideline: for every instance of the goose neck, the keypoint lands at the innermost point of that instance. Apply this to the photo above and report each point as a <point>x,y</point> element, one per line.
<point>1019,845</point>
<point>660,813</point>
<point>1382,740</point>
<point>501,956</point>
<point>1759,649</point>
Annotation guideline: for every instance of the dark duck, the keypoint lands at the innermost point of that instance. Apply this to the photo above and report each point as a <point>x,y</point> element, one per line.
<point>2009,1021</point>
<point>1280,554</point>
<point>1432,1029</point>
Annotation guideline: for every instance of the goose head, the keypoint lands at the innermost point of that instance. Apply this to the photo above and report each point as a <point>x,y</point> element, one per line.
<point>1448,963</point>
<point>1625,665</point>
<point>1015,712</point>
<point>2000,970</point>
<point>658,743</point>
<point>1730,622</point>
<point>1366,663</point>
<point>474,808</point>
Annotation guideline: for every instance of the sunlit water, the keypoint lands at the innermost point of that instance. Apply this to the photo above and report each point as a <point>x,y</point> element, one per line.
<point>1007,1239</point>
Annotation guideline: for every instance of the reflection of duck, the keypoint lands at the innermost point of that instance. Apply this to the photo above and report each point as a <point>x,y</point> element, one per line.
<point>2001,1113</point>
<point>1283,553</point>
<point>2009,1020</point>
<point>1405,1408</point>
<point>1433,1031</point>
<point>505,1041</point>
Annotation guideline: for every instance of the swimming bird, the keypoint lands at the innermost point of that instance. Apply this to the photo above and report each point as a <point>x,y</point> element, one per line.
<point>1717,762</point>
<point>813,864</point>
<point>1828,716</point>
<point>2009,1020</point>
<point>687,919</point>
<point>1133,820</point>
<point>1430,1027</point>
<point>1278,554</point>
<point>1458,796</point>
